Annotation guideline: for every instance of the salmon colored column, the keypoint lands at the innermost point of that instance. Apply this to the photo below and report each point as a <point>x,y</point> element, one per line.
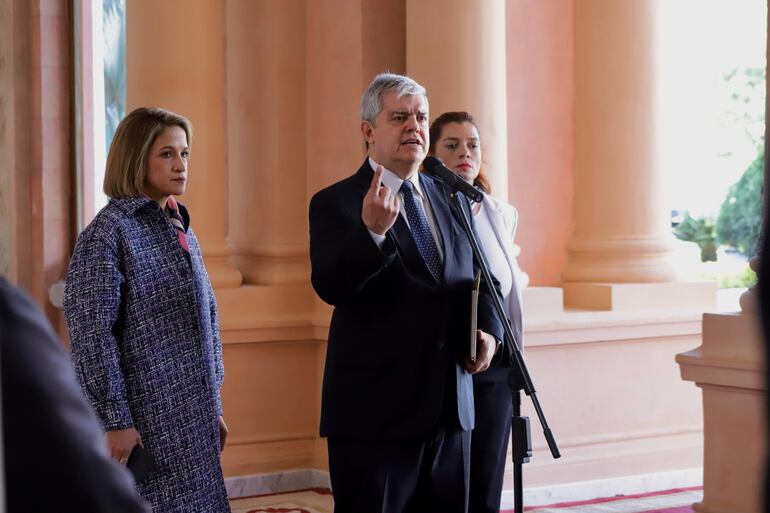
<point>622,232</point>
<point>335,82</point>
<point>266,140</point>
<point>35,164</point>
<point>541,132</point>
<point>175,60</point>
<point>622,242</point>
<point>456,49</point>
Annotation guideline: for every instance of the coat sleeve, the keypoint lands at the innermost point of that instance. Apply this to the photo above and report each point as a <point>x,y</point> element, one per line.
<point>343,255</point>
<point>510,221</point>
<point>488,319</point>
<point>92,305</point>
<point>216,339</point>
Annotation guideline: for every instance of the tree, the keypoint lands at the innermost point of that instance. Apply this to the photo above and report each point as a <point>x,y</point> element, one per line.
<point>701,232</point>
<point>740,217</point>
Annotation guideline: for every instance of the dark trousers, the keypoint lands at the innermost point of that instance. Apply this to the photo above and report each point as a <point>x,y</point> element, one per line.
<point>403,476</point>
<point>489,442</point>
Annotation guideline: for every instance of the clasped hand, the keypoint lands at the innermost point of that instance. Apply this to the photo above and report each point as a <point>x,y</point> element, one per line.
<point>487,346</point>
<point>122,441</point>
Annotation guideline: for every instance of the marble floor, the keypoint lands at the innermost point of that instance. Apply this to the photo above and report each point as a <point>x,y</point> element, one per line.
<point>314,500</point>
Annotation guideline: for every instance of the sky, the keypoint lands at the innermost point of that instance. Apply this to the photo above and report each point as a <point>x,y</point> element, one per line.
<point>703,146</point>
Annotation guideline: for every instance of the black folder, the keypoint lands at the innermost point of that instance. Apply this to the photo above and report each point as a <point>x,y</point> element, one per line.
<point>474,314</point>
<point>140,462</point>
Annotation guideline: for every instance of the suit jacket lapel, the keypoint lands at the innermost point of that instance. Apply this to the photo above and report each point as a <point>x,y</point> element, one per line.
<point>400,232</point>
<point>408,248</point>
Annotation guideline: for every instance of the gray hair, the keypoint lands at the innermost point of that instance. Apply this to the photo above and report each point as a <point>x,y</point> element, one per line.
<point>371,101</point>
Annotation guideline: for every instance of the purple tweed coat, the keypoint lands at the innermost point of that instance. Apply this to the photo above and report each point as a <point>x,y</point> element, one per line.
<point>143,325</point>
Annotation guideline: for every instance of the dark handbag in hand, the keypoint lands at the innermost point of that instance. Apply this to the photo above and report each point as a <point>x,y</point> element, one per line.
<point>140,462</point>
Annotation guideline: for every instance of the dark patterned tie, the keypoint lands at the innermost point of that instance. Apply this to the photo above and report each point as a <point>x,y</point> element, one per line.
<point>421,233</point>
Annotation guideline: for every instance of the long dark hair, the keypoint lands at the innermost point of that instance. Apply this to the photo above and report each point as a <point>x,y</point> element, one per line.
<point>481,181</point>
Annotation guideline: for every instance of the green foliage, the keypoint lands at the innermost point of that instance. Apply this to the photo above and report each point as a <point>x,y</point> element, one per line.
<point>701,232</point>
<point>743,279</point>
<point>740,217</point>
<point>746,278</point>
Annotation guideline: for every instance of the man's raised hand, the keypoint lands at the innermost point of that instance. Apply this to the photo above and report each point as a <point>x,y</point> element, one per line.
<point>381,205</point>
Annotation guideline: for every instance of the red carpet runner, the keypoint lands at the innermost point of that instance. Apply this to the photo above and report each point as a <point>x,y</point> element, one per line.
<point>677,500</point>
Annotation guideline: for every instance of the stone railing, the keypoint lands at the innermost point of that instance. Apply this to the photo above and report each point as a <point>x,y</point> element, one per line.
<point>730,369</point>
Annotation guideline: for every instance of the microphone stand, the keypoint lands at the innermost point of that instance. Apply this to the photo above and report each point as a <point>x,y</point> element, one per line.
<point>519,379</point>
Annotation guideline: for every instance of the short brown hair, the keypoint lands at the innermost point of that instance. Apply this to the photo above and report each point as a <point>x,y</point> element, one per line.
<point>481,181</point>
<point>130,148</point>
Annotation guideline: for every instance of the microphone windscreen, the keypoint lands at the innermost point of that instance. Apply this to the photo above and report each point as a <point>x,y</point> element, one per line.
<point>436,167</point>
<point>432,163</point>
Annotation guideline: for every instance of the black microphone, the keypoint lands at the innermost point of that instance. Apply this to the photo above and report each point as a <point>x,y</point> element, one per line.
<point>436,168</point>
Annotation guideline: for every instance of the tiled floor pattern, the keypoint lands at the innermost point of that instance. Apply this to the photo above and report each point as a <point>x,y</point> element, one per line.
<point>320,500</point>
<point>317,500</point>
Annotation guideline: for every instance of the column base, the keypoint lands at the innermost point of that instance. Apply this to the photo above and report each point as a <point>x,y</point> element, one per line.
<point>540,302</point>
<point>644,296</point>
<point>222,274</point>
<point>279,265</point>
<point>620,260</point>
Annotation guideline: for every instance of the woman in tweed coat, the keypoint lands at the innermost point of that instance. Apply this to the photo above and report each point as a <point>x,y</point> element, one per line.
<point>142,319</point>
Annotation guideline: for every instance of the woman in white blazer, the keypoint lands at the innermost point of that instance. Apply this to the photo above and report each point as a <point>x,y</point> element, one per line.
<point>454,138</point>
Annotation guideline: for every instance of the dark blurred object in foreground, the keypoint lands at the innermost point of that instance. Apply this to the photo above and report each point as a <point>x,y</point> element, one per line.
<point>55,455</point>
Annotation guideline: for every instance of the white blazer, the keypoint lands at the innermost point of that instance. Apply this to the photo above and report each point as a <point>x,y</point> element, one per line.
<point>504,218</point>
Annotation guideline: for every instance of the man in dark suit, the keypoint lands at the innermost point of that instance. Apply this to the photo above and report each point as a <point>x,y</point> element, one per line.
<point>54,450</point>
<point>390,255</point>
